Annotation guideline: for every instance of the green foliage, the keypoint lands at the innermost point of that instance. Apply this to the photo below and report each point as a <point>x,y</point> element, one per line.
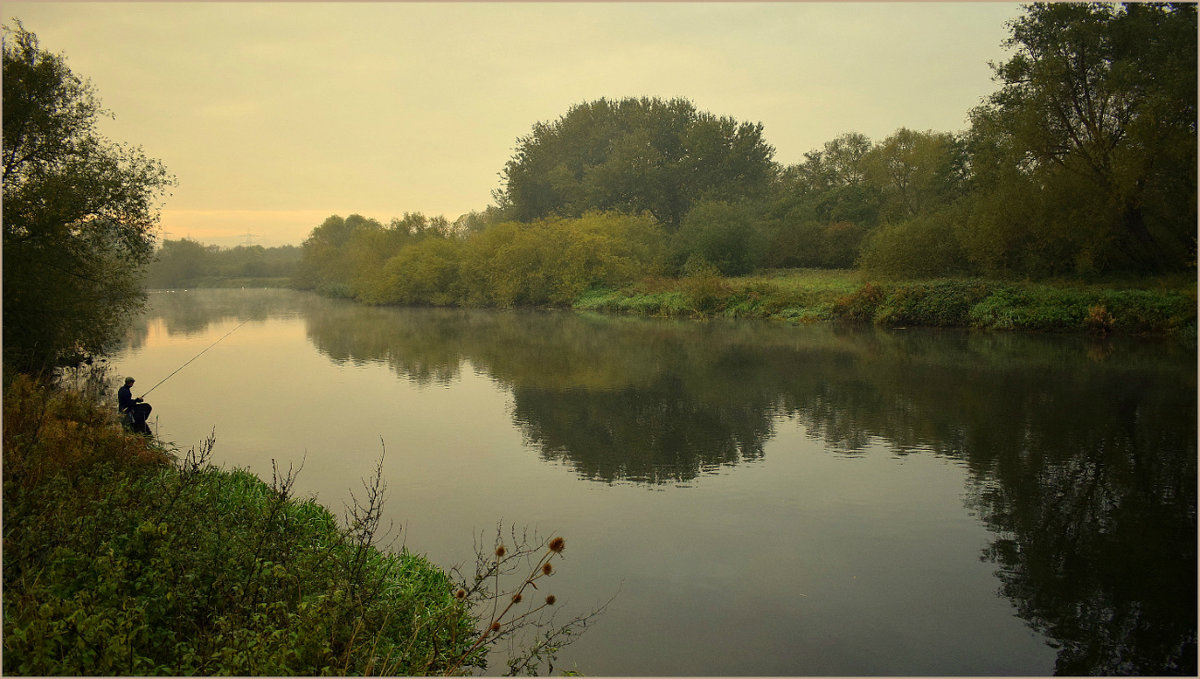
<point>727,236</point>
<point>1094,130</point>
<point>79,214</point>
<point>547,262</point>
<point>427,272</point>
<point>945,304</point>
<point>924,246</point>
<point>1082,163</point>
<point>797,296</point>
<point>992,305</point>
<point>861,305</point>
<point>915,173</point>
<point>118,562</point>
<point>187,263</point>
<point>634,156</point>
<point>1045,308</point>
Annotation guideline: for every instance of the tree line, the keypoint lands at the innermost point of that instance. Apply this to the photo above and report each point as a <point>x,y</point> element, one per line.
<point>1082,163</point>
<point>188,263</point>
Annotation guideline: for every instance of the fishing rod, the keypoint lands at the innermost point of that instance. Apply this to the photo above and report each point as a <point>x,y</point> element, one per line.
<point>194,358</point>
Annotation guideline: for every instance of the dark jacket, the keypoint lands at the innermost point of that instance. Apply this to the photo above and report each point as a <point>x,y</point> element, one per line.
<point>124,399</point>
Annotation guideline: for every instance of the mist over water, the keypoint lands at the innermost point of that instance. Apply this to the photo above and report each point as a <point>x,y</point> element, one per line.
<point>762,499</point>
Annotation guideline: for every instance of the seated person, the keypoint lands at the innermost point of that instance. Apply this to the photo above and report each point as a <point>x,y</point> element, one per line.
<point>135,410</point>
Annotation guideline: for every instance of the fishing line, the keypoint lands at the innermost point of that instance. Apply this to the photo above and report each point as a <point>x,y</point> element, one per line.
<point>194,358</point>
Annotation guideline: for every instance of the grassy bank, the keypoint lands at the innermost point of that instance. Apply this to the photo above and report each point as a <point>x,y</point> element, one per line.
<point>120,560</point>
<point>1160,306</point>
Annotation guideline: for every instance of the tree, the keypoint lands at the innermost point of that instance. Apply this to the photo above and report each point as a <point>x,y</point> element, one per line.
<point>727,236</point>
<point>633,156</point>
<point>79,214</point>
<point>914,172</point>
<point>1095,127</point>
<point>326,263</point>
<point>831,185</point>
<point>179,263</point>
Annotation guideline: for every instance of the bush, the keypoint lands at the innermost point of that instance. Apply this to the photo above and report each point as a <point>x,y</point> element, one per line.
<point>117,562</point>
<point>725,235</point>
<point>427,272</point>
<point>938,304</point>
<point>922,247</point>
<point>861,305</point>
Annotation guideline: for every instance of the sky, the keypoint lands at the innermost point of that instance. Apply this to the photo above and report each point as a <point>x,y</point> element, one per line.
<point>276,115</point>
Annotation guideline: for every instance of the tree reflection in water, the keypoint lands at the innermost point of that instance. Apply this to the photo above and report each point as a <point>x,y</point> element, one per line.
<point>1081,452</point>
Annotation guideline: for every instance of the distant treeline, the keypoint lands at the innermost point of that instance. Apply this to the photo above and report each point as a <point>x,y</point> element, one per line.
<point>1081,164</point>
<point>186,263</point>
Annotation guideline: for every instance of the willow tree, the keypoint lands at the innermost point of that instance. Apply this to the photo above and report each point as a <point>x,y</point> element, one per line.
<point>80,214</point>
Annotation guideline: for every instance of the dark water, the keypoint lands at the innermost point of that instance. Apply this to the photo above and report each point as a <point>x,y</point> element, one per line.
<point>761,499</point>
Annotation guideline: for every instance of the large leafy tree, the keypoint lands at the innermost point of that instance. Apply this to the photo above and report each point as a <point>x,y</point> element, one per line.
<point>1088,150</point>
<point>79,211</point>
<point>915,173</point>
<point>634,155</point>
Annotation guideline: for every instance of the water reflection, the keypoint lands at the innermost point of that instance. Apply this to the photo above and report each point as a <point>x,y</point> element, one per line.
<point>1081,452</point>
<point>188,313</point>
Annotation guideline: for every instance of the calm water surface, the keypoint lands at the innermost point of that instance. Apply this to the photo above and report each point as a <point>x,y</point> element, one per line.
<point>761,499</point>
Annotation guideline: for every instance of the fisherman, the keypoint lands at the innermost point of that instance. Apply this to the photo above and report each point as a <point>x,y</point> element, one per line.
<point>135,410</point>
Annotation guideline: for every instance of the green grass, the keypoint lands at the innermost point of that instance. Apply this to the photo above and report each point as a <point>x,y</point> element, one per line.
<point>1160,306</point>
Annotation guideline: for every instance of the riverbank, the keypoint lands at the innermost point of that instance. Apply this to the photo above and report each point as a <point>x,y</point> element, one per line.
<point>1164,306</point>
<point>123,559</point>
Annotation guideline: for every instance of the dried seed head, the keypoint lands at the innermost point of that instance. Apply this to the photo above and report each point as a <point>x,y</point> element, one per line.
<point>550,600</point>
<point>517,598</point>
<point>556,545</point>
<point>495,626</point>
<point>460,594</point>
<point>501,551</point>
<point>547,568</point>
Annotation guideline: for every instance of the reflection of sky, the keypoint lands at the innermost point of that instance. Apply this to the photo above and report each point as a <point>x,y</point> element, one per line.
<point>806,562</point>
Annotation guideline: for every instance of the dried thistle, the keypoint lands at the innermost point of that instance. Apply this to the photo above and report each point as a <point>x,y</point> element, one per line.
<point>550,600</point>
<point>547,568</point>
<point>500,552</point>
<point>556,545</point>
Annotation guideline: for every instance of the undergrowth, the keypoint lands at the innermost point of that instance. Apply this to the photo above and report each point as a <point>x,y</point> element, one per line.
<point>804,296</point>
<point>123,559</point>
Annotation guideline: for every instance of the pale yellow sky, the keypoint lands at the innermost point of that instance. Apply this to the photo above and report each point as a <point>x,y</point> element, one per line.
<point>276,115</point>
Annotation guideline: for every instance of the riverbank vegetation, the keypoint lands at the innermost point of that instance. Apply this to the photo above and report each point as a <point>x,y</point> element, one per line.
<point>123,558</point>
<point>1161,306</point>
<point>186,263</point>
<point>119,559</point>
<point>1080,170</point>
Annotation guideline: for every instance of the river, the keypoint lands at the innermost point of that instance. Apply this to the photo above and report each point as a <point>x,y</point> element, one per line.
<point>753,498</point>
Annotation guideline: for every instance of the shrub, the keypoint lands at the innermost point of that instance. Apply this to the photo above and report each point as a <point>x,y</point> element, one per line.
<point>861,305</point>
<point>117,562</point>
<point>922,247</point>
<point>725,235</point>
<point>427,272</point>
<point>937,304</point>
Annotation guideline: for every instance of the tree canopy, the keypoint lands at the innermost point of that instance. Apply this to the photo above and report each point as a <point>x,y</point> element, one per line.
<point>1094,128</point>
<point>633,156</point>
<point>79,214</point>
<point>1081,163</point>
